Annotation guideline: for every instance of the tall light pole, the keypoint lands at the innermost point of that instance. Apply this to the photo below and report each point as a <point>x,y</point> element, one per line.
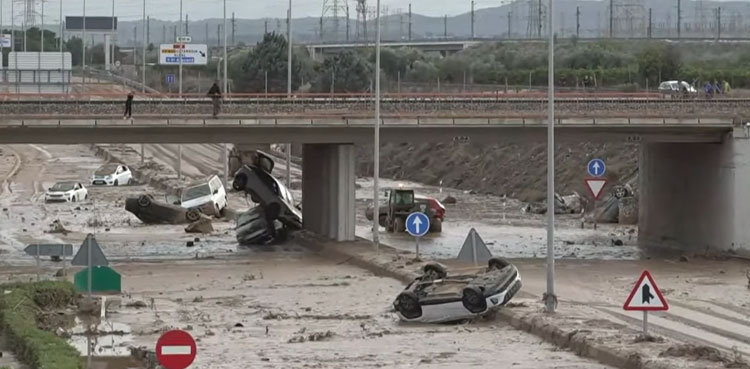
<point>289,89</point>
<point>112,47</point>
<point>179,54</point>
<point>550,298</point>
<point>376,143</point>
<point>143,71</point>
<point>83,42</point>
<point>225,47</point>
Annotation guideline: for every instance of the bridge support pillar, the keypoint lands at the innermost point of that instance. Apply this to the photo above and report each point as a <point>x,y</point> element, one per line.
<point>695,197</point>
<point>328,189</point>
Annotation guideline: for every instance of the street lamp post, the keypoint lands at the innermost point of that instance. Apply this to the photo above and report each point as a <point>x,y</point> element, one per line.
<point>225,47</point>
<point>83,42</point>
<point>289,91</point>
<point>179,53</point>
<point>143,72</point>
<point>550,298</point>
<point>376,143</point>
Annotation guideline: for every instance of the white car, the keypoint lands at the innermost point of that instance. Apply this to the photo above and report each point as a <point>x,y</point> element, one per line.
<point>66,192</point>
<point>112,175</point>
<point>209,197</point>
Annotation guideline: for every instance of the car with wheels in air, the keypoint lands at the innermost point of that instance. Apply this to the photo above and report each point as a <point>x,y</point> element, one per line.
<point>112,175</point>
<point>66,192</point>
<point>151,211</point>
<point>438,297</point>
<point>208,196</point>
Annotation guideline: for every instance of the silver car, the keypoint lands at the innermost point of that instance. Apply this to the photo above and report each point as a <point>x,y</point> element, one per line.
<point>673,88</point>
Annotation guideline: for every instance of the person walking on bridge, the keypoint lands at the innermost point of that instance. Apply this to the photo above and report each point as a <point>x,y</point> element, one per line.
<point>215,93</point>
<point>128,106</point>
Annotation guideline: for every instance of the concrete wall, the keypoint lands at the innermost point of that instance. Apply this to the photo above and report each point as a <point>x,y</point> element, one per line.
<point>328,189</point>
<point>695,197</point>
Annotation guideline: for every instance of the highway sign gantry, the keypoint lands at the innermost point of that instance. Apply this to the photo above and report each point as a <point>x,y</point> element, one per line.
<point>417,225</point>
<point>645,296</point>
<point>176,349</point>
<point>596,168</point>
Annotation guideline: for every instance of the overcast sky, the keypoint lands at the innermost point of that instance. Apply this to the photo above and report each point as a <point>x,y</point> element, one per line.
<point>252,9</point>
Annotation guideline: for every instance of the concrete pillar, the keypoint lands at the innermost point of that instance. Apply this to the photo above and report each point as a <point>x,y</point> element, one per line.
<point>328,189</point>
<point>107,55</point>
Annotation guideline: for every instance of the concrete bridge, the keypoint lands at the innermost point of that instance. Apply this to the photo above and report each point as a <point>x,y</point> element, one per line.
<point>694,167</point>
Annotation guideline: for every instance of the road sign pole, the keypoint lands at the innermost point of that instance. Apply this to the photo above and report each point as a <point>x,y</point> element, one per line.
<point>594,215</point>
<point>474,247</point>
<point>88,256</point>
<point>38,265</point>
<point>550,297</point>
<point>65,270</point>
<point>416,239</point>
<point>645,323</point>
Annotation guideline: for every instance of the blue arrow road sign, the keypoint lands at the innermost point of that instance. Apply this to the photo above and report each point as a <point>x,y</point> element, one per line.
<point>417,224</point>
<point>597,168</point>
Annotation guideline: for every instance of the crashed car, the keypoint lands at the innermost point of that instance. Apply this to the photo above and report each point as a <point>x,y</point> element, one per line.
<point>253,228</point>
<point>437,297</point>
<point>275,201</point>
<point>150,211</point>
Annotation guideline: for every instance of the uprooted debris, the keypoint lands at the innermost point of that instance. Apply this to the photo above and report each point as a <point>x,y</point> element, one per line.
<point>705,353</point>
<point>313,337</point>
<point>202,225</point>
<point>748,279</point>
<point>57,227</point>
<point>571,204</point>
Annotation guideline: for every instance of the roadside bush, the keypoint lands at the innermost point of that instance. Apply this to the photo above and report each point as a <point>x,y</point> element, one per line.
<point>19,312</point>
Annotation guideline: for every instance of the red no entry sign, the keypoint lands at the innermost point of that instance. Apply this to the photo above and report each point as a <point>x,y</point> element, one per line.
<point>176,350</point>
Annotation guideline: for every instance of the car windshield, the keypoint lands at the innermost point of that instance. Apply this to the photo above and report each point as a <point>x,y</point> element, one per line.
<point>63,186</point>
<point>106,170</point>
<point>196,192</point>
<point>403,197</point>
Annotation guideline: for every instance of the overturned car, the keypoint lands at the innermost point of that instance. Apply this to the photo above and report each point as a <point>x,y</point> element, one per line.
<point>150,211</point>
<point>436,297</point>
<point>276,212</point>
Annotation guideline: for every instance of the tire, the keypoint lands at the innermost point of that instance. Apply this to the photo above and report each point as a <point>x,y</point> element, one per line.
<point>473,299</point>
<point>144,201</point>
<point>130,181</point>
<point>497,263</point>
<point>399,225</point>
<point>382,221</point>
<point>435,271</point>
<point>193,215</point>
<point>407,304</point>
<point>86,197</point>
<point>436,226</point>
<point>239,182</point>
<point>117,183</point>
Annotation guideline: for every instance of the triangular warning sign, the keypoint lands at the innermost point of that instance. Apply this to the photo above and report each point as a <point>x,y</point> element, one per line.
<point>646,296</point>
<point>474,248</point>
<point>596,187</point>
<point>97,256</point>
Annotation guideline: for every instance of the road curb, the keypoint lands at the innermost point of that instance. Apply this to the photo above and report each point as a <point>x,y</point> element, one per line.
<point>389,262</point>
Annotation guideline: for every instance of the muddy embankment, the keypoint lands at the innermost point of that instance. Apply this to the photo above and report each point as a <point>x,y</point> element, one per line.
<point>516,170</point>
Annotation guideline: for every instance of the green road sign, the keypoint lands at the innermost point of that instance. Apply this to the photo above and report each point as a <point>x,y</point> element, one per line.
<point>104,280</point>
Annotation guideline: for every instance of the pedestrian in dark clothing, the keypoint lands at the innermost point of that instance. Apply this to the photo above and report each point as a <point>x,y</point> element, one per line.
<point>215,94</point>
<point>128,106</point>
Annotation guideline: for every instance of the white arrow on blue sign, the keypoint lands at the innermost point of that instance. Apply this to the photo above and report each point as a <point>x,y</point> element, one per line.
<point>417,224</point>
<point>597,168</point>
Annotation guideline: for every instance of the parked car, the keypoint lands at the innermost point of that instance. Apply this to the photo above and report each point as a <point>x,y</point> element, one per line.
<point>437,297</point>
<point>150,211</point>
<point>112,175</point>
<point>677,88</point>
<point>208,196</point>
<point>66,192</point>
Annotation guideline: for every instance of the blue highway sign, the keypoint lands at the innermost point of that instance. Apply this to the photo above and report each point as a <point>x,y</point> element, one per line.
<point>597,168</point>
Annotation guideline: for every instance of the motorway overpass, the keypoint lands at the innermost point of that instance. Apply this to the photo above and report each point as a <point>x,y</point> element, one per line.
<point>694,160</point>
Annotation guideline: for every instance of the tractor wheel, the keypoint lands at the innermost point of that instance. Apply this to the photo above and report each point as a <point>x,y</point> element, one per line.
<point>399,225</point>
<point>382,221</point>
<point>436,225</point>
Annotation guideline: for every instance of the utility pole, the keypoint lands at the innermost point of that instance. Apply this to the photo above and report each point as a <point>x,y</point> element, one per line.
<point>145,44</point>
<point>539,31</point>
<point>164,33</point>
<point>83,41</point>
<point>148,30</point>
<point>718,23</point>
<point>510,22</point>
<point>226,175</point>
<point>234,28</point>
<point>679,18</point>
<point>578,22</point>
<point>218,34</point>
<point>179,56</point>
<point>410,23</point>
<point>472,20</point>
<point>650,24</point>
<point>611,18</point>
<point>265,27</point>
<point>289,90</point>
<point>207,38</point>
<point>445,26</point>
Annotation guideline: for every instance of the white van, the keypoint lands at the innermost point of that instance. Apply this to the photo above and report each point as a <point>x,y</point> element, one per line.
<point>209,197</point>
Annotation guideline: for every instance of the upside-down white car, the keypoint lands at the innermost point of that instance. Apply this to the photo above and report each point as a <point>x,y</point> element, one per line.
<point>112,175</point>
<point>66,192</point>
<point>437,297</point>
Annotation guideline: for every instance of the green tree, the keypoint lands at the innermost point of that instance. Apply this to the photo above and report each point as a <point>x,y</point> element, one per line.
<point>347,71</point>
<point>270,57</point>
<point>659,62</point>
<point>75,47</point>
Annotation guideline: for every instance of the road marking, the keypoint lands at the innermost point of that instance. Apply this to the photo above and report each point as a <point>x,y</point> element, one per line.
<point>176,350</point>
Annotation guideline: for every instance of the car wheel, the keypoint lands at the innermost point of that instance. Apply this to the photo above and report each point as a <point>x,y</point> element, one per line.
<point>117,183</point>
<point>193,215</point>
<point>436,225</point>
<point>473,299</point>
<point>407,304</point>
<point>399,225</point>
<point>435,271</point>
<point>130,181</point>
<point>144,201</point>
<point>239,183</point>
<point>497,263</point>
